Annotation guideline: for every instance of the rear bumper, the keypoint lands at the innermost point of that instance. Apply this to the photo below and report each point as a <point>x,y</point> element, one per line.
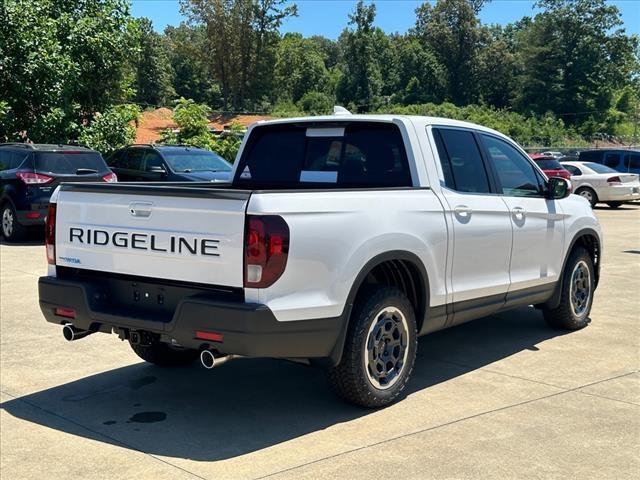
<point>35,216</point>
<point>248,329</point>
<point>618,194</point>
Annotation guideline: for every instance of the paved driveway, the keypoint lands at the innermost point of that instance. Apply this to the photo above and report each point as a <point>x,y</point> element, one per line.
<point>502,397</point>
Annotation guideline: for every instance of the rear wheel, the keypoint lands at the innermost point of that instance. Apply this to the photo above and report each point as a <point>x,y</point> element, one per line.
<point>589,195</point>
<point>165,355</point>
<point>379,351</point>
<point>614,204</point>
<point>12,231</point>
<point>576,298</point>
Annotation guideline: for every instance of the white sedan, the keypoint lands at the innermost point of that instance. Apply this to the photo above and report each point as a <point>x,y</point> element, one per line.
<point>599,183</point>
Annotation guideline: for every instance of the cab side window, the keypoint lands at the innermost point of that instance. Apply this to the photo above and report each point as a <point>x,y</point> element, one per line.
<point>152,160</point>
<point>461,162</point>
<point>516,174</point>
<point>132,159</point>
<point>612,160</point>
<point>575,171</point>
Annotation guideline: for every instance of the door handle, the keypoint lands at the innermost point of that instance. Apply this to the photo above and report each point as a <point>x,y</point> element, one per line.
<point>518,212</point>
<point>462,211</point>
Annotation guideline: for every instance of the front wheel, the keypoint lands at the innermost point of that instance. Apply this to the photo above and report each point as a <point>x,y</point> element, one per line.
<point>379,351</point>
<point>576,298</point>
<point>165,355</point>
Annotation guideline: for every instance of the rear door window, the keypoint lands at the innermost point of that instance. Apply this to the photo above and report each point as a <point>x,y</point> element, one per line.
<point>68,163</point>
<point>612,160</point>
<point>347,155</point>
<point>132,159</point>
<point>461,161</point>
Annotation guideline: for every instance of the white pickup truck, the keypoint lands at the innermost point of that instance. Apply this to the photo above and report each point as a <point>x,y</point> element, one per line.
<point>340,240</point>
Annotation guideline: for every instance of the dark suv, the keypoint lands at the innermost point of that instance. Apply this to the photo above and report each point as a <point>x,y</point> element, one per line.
<point>29,173</point>
<point>169,163</point>
<point>624,161</point>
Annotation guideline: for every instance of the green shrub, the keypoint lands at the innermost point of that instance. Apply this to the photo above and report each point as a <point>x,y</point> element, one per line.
<point>114,128</point>
<point>316,103</point>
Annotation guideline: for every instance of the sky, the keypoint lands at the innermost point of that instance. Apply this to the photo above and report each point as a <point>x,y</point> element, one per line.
<point>330,17</point>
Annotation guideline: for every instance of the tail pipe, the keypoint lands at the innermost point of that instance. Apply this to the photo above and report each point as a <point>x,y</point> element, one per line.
<point>212,359</point>
<point>72,333</point>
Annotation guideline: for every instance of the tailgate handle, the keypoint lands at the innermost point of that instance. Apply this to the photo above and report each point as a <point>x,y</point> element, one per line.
<point>140,209</point>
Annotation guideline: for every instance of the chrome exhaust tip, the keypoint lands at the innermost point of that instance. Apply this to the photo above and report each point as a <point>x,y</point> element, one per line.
<point>72,333</point>
<point>208,359</point>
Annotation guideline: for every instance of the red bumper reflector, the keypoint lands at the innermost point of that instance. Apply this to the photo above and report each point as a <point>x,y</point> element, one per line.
<point>213,336</point>
<point>32,215</point>
<point>65,312</point>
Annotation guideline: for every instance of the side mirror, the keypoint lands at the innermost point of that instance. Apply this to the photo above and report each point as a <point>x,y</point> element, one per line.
<point>558,188</point>
<point>157,169</point>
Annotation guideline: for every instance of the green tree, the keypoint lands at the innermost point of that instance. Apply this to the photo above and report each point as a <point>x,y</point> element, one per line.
<point>241,39</point>
<point>420,77</point>
<point>362,47</point>
<point>188,55</point>
<point>316,103</point>
<point>575,57</point>
<point>61,61</point>
<point>299,68</point>
<point>153,70</point>
<point>451,30</point>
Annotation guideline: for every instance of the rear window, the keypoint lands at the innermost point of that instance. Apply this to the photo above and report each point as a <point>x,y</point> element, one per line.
<point>11,160</point>
<point>632,161</point>
<point>345,155</point>
<point>596,167</point>
<point>548,164</point>
<point>69,162</point>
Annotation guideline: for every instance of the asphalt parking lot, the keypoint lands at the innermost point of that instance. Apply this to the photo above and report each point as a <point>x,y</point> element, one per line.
<point>502,397</point>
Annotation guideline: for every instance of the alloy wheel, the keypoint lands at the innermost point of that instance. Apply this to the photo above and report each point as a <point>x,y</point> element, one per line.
<point>580,288</point>
<point>387,347</point>
<point>7,222</point>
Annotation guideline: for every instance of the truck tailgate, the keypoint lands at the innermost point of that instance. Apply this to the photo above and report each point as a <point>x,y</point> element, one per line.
<point>183,233</point>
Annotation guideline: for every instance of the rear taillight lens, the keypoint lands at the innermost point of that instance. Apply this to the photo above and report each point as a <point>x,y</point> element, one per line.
<point>614,180</point>
<point>266,248</point>
<point>31,178</point>
<point>110,178</point>
<point>50,234</point>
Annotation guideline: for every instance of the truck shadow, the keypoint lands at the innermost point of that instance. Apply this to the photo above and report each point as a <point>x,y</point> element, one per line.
<point>250,404</point>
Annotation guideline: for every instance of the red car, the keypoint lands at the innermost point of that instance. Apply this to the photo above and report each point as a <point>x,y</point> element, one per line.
<point>550,166</point>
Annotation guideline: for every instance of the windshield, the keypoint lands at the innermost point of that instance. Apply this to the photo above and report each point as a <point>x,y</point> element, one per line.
<point>196,161</point>
<point>548,164</point>
<point>70,163</point>
<point>596,167</point>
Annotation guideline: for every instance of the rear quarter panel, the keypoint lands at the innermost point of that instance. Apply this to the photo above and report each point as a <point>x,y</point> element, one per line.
<point>335,233</point>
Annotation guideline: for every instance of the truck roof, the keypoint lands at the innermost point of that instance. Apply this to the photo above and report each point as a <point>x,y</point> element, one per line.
<point>416,120</point>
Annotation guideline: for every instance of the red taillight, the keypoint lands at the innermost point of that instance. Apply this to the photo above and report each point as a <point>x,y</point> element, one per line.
<point>266,248</point>
<point>65,312</point>
<point>212,336</point>
<point>614,180</point>
<point>110,178</point>
<point>32,215</point>
<point>50,234</point>
<point>31,178</point>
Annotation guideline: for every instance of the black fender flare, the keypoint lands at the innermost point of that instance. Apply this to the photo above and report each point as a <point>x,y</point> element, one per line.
<point>554,301</point>
<point>336,352</point>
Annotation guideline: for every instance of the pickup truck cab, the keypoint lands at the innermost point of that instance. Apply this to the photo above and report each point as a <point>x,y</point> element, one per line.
<point>340,240</point>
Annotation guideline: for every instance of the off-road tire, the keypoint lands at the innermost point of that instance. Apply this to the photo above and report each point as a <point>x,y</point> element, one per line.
<point>592,198</point>
<point>563,316</point>
<point>164,355</point>
<point>349,378</point>
<point>17,231</point>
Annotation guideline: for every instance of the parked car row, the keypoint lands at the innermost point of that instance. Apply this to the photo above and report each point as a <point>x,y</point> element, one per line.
<point>29,174</point>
